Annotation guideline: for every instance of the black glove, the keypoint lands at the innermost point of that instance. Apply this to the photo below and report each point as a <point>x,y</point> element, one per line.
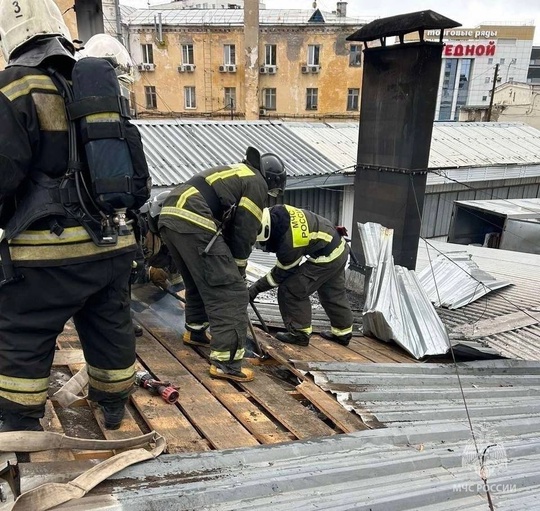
<point>242,270</point>
<point>253,291</point>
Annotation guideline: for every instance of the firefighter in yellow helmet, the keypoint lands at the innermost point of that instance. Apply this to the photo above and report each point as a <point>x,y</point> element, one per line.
<point>52,270</point>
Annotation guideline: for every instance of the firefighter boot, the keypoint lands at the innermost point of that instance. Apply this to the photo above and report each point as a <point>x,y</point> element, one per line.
<point>340,339</point>
<point>138,330</point>
<point>298,338</point>
<point>197,338</point>
<point>12,421</point>
<point>231,371</point>
<point>113,413</point>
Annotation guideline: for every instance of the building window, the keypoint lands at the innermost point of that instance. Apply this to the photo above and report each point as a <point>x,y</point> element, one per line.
<point>147,53</point>
<point>229,54</point>
<point>189,98</point>
<point>151,96</point>
<point>230,98</point>
<point>353,100</point>
<point>490,60</point>
<point>355,56</point>
<point>313,55</point>
<point>312,99</point>
<point>270,99</point>
<point>187,54</point>
<point>487,79</point>
<point>502,61</point>
<point>484,98</point>
<point>270,55</point>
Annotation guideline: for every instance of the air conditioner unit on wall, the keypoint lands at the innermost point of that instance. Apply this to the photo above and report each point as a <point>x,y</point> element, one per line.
<point>305,70</point>
<point>189,68</point>
<point>146,67</point>
<point>222,69</point>
<point>263,70</point>
<point>181,69</point>
<point>262,111</point>
<point>231,68</point>
<point>272,70</point>
<point>314,69</point>
<point>312,107</point>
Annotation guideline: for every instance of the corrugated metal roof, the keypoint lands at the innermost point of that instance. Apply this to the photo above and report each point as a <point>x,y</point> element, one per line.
<point>172,16</point>
<point>422,464</point>
<point>520,269</point>
<point>512,208</point>
<point>503,150</point>
<point>454,280</point>
<point>396,306</point>
<point>178,149</point>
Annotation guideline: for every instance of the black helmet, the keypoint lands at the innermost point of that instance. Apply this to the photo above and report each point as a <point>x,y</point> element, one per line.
<point>273,170</point>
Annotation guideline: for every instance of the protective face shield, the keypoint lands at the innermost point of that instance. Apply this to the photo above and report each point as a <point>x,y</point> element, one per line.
<point>107,47</point>
<point>273,169</point>
<point>152,210</point>
<point>266,226</point>
<point>25,20</point>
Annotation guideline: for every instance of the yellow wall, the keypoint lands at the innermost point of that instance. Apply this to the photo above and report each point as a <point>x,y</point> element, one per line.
<point>333,80</point>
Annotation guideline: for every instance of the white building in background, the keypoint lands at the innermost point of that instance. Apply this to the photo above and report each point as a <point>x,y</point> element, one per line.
<point>469,59</point>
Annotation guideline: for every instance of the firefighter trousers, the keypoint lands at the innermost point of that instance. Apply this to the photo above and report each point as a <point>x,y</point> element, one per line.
<point>328,280</point>
<point>34,311</point>
<point>216,293</point>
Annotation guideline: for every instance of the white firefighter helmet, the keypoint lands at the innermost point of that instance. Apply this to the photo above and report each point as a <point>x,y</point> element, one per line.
<point>106,46</point>
<point>266,226</point>
<point>24,20</point>
<point>152,209</point>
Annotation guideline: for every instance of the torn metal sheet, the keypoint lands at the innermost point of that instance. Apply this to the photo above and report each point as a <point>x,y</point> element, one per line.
<point>454,280</point>
<point>397,307</point>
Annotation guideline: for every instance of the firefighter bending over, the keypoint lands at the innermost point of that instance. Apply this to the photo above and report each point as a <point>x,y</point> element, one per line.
<point>210,224</point>
<point>59,259</point>
<point>293,234</point>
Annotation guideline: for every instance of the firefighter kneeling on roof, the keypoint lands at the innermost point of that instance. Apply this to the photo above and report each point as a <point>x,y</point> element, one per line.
<point>210,225</point>
<point>293,234</point>
<point>67,179</point>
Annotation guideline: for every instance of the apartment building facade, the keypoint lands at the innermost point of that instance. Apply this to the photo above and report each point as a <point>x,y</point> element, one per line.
<point>195,63</point>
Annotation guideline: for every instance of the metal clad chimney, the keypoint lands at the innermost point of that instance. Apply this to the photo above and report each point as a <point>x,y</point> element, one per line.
<point>341,10</point>
<point>399,93</point>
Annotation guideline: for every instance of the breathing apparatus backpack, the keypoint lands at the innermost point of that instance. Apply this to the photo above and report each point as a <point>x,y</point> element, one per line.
<point>107,171</point>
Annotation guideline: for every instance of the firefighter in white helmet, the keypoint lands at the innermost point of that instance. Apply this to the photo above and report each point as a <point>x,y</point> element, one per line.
<point>52,271</point>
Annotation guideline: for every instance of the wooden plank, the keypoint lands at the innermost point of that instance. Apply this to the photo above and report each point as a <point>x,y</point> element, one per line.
<point>253,419</point>
<point>347,421</point>
<point>168,421</point>
<point>368,352</point>
<point>391,350</point>
<point>337,351</point>
<point>51,422</point>
<point>65,357</point>
<point>302,422</point>
<point>499,325</point>
<point>214,421</point>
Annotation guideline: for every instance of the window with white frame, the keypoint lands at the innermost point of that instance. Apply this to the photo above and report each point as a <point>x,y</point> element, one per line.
<point>230,98</point>
<point>314,55</point>
<point>312,99</point>
<point>187,54</point>
<point>147,53</point>
<point>270,55</point>
<point>189,98</point>
<point>270,99</point>
<point>150,95</point>
<point>355,55</point>
<point>229,54</point>
<point>353,98</point>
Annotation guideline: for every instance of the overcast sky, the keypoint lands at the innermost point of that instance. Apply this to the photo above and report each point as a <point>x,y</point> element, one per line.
<point>467,12</point>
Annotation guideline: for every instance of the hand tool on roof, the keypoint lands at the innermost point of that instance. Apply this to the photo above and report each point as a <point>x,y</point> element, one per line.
<point>259,317</point>
<point>261,355</point>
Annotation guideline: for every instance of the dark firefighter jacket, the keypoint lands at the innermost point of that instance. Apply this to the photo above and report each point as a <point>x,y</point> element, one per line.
<point>295,234</point>
<point>204,200</point>
<point>33,146</point>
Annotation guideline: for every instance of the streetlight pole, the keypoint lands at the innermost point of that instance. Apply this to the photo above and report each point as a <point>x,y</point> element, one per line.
<point>492,92</point>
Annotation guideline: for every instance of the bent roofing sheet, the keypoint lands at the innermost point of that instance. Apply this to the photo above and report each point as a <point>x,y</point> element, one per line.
<point>513,208</point>
<point>520,269</point>
<point>178,149</point>
<point>171,16</point>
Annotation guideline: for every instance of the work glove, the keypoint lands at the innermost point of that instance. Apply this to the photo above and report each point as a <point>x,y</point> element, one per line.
<point>158,276</point>
<point>254,290</point>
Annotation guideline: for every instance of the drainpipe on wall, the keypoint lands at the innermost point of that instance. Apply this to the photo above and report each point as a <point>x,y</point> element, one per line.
<point>251,52</point>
